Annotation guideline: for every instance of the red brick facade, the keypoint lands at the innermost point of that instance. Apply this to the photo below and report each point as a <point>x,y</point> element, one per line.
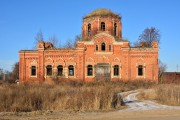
<point>102,54</point>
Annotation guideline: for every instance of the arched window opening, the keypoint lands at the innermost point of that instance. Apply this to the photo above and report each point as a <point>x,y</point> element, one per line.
<point>140,70</point>
<point>60,70</point>
<point>116,70</point>
<point>109,47</point>
<point>115,29</point>
<point>89,29</point>
<point>96,47</point>
<point>33,71</point>
<point>89,70</point>
<point>103,46</point>
<point>102,26</point>
<point>71,70</point>
<point>49,70</point>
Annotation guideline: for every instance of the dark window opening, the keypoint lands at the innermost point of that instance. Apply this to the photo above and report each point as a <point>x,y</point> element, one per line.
<point>115,29</point>
<point>116,70</point>
<point>89,29</point>
<point>33,71</point>
<point>49,70</point>
<point>140,70</point>
<point>103,46</point>
<point>71,70</point>
<point>96,47</point>
<point>102,26</point>
<point>89,70</point>
<point>60,70</point>
<point>109,47</point>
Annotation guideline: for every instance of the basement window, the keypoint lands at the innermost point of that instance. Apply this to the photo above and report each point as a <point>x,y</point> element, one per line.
<point>49,70</point>
<point>33,71</point>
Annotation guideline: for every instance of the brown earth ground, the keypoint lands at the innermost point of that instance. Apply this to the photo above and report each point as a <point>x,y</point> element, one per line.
<point>115,115</point>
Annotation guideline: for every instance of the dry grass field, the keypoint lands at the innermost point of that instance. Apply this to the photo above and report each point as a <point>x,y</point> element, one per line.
<point>84,101</point>
<point>168,94</point>
<point>66,96</point>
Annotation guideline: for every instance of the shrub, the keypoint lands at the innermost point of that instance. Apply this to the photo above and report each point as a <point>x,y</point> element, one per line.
<point>168,94</point>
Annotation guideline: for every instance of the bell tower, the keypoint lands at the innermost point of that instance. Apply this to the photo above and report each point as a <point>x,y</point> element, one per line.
<point>101,20</point>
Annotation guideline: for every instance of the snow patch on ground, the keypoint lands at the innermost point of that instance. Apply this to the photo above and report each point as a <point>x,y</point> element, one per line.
<point>135,105</point>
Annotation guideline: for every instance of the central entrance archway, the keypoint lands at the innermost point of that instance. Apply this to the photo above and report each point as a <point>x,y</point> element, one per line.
<point>102,71</point>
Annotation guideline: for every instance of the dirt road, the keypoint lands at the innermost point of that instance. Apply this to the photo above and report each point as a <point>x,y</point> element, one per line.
<point>116,115</point>
<point>135,105</point>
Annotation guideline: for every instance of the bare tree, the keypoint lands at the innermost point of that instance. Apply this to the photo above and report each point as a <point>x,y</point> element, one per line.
<point>15,71</point>
<point>1,74</point>
<point>69,44</point>
<point>38,37</point>
<point>53,39</point>
<point>162,68</point>
<point>136,44</point>
<point>77,38</point>
<point>149,35</point>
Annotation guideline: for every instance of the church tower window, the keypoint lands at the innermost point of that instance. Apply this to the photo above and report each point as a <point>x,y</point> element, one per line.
<point>102,26</point>
<point>89,29</point>
<point>115,29</point>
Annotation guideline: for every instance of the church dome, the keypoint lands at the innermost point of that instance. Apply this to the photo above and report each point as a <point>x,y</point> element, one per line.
<point>102,12</point>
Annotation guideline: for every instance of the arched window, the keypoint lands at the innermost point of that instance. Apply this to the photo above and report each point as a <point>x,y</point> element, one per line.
<point>109,47</point>
<point>96,47</point>
<point>103,46</point>
<point>102,26</point>
<point>71,70</point>
<point>115,29</point>
<point>49,70</point>
<point>140,70</point>
<point>116,70</point>
<point>89,70</point>
<point>60,70</point>
<point>33,71</point>
<point>89,29</point>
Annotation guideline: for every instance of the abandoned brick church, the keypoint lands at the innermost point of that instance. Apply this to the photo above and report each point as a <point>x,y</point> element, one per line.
<point>102,54</point>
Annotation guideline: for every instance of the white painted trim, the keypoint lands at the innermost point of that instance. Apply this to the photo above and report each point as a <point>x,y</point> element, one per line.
<point>33,76</point>
<point>86,74</point>
<point>112,70</point>
<point>144,70</point>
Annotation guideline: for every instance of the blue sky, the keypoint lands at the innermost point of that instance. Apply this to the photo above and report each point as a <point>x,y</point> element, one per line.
<point>20,20</point>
